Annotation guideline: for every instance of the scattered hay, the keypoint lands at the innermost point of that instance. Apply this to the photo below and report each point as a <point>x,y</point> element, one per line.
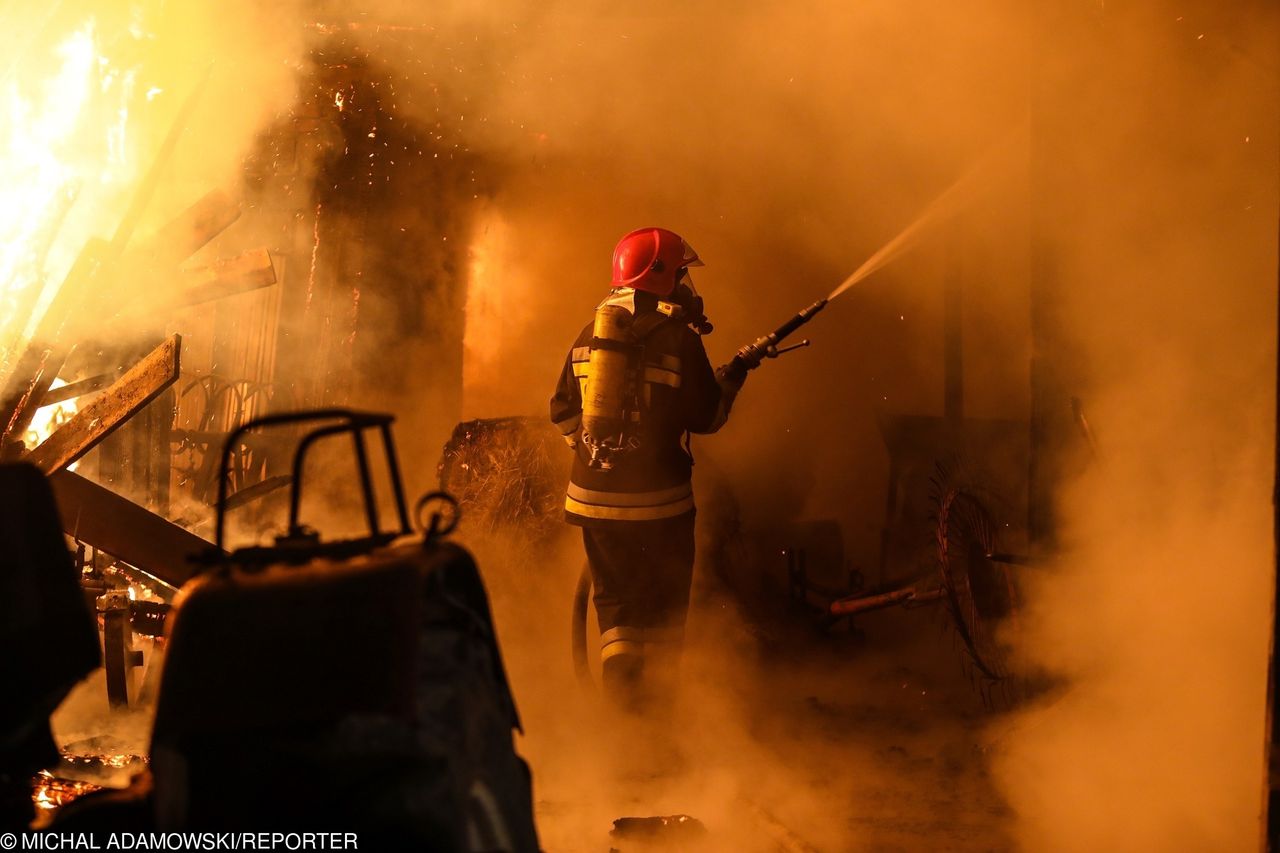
<point>508,474</point>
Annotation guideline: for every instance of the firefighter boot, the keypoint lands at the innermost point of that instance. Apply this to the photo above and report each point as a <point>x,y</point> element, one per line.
<point>622,667</point>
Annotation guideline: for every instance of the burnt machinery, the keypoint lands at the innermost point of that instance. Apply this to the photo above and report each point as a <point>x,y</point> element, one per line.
<point>355,677</point>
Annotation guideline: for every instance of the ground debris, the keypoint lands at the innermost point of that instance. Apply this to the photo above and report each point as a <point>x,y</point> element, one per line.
<point>671,832</point>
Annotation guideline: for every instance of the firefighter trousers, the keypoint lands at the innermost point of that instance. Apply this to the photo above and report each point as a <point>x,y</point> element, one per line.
<point>641,572</point>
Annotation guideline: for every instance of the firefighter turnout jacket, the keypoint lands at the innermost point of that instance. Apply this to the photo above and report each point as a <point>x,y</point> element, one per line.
<point>676,392</point>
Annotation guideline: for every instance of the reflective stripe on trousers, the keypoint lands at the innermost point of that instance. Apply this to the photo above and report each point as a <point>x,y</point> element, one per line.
<point>625,640</point>
<point>629,506</point>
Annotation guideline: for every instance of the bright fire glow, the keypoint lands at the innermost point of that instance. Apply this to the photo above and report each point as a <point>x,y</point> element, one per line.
<point>67,158</point>
<point>49,418</point>
<point>489,310</point>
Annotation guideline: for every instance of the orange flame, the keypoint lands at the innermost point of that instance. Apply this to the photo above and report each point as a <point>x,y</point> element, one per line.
<point>67,156</point>
<point>49,418</point>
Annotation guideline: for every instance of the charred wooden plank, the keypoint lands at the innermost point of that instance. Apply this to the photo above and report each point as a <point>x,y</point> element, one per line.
<point>248,271</point>
<point>43,355</point>
<point>186,233</point>
<point>117,526</point>
<point>137,387</point>
<point>161,294</point>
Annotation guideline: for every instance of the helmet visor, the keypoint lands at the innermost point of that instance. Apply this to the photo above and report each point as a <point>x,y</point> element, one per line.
<point>683,279</point>
<point>690,257</point>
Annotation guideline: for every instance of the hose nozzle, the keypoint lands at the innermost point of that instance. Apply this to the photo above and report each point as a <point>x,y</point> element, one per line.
<point>753,353</point>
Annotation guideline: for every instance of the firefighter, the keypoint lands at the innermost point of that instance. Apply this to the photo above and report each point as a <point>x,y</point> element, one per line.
<point>635,384</point>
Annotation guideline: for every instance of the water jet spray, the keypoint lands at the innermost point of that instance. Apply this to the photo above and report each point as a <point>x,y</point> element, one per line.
<point>955,196</point>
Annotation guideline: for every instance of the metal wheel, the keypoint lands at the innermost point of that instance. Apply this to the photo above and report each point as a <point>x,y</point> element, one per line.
<point>979,592</point>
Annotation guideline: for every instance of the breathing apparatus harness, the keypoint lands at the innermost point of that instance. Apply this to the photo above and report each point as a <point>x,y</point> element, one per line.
<point>613,408</point>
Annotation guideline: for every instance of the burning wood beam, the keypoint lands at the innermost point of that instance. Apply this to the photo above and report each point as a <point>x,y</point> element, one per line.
<point>248,271</point>
<point>90,283</point>
<point>226,277</point>
<point>187,233</point>
<point>137,387</point>
<point>77,389</point>
<point>99,517</point>
<point>92,280</point>
<point>43,355</point>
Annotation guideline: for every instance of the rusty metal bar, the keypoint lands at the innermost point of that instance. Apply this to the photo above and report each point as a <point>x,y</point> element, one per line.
<point>864,603</point>
<point>93,514</point>
<point>118,656</point>
<point>137,387</point>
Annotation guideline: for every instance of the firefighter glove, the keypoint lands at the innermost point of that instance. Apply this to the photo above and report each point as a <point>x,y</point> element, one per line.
<point>734,373</point>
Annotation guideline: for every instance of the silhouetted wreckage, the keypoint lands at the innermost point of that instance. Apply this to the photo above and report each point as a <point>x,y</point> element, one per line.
<point>355,683</point>
<point>350,685</point>
<point>47,636</point>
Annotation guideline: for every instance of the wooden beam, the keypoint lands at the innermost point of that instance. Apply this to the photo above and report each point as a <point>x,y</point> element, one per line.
<point>186,233</point>
<point>77,389</point>
<point>248,271</point>
<point>159,295</point>
<point>41,357</point>
<point>99,517</point>
<point>137,387</point>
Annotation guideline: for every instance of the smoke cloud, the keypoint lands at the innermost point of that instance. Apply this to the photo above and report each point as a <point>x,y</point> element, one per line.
<point>788,143</point>
<point>1163,244</point>
<point>1130,216</point>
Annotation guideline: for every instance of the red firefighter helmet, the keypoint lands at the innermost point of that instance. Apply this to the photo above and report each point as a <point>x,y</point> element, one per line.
<point>650,259</point>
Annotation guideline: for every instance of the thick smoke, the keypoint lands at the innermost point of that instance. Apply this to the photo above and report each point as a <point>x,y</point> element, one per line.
<point>1160,228</point>
<point>788,142</point>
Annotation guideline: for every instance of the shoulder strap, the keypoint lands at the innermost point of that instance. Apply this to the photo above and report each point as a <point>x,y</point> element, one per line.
<point>648,323</point>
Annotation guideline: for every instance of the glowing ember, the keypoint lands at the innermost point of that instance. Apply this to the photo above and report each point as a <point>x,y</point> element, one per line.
<point>50,792</point>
